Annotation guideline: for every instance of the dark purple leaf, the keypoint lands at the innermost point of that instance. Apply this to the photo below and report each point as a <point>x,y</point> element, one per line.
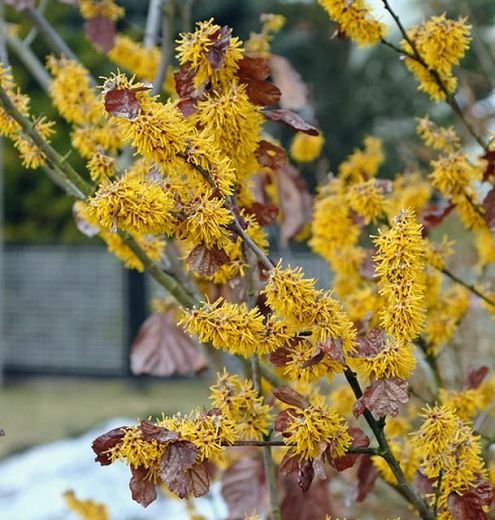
<point>206,261</point>
<point>122,103</point>
<point>216,53</point>
<point>489,205</point>
<point>151,432</point>
<point>101,32</point>
<point>270,155</point>
<point>366,478</point>
<point>305,474</point>
<point>292,120</point>
<point>476,376</point>
<point>264,214</point>
<point>371,344</point>
<point>290,397</point>
<point>105,442</point>
<point>383,397</point>
<point>143,490</point>
<point>359,440</point>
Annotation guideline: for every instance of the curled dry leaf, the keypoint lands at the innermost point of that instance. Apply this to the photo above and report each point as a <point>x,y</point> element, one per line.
<point>284,420</point>
<point>490,165</point>
<point>100,31</point>
<point>290,397</point>
<point>305,475</point>
<point>178,457</point>
<point>216,52</point>
<point>489,205</point>
<point>371,344</point>
<point>152,432</point>
<point>469,505</point>
<point>253,73</point>
<point>289,81</point>
<point>244,488</point>
<point>270,155</point>
<point>206,261</point>
<point>194,481</point>
<point>264,214</point>
<point>105,442</point>
<point>292,120</point>
<point>143,490</point>
<point>476,376</point>
<point>279,357</point>
<point>434,214</point>
<point>359,440</point>
<point>289,463</point>
<point>122,103</point>
<point>163,349</point>
<point>332,348</point>
<point>383,397</point>
<point>366,478</point>
<point>314,359</point>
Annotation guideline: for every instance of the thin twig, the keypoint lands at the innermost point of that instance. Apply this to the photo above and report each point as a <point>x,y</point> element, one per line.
<point>168,27</point>
<point>152,23</point>
<point>273,443</point>
<point>4,57</point>
<point>28,40</point>
<point>468,286</point>
<point>377,428</point>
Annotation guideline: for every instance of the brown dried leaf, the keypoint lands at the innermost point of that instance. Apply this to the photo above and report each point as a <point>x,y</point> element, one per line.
<point>490,166</point>
<point>290,397</point>
<point>177,458</point>
<point>194,481</point>
<point>469,505</point>
<point>151,432</point>
<point>205,261</point>
<point>371,344</point>
<point>279,357</point>
<point>264,214</point>
<point>143,490</point>
<point>296,203</point>
<point>184,80</point>
<point>305,474</point>
<point>262,93</point>
<point>290,83</point>
<point>292,120</point>
<point>359,440</point>
<point>366,478</point>
<point>216,52</point>
<point>434,214</point>
<point>476,376</point>
<point>253,68</point>
<point>270,155</point>
<point>289,463</point>
<point>284,420</point>
<point>314,359</point>
<point>332,347</point>
<point>163,349</point>
<point>122,103</point>
<point>314,504</point>
<point>489,205</point>
<point>383,397</point>
<point>244,488</point>
<point>100,31</point>
<point>106,441</point>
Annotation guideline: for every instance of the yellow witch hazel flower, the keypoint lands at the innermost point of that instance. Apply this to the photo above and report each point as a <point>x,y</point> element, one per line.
<point>86,509</point>
<point>238,400</point>
<point>367,199</point>
<point>362,165</point>
<point>32,157</point>
<point>234,328</point>
<point>409,190</point>
<point>400,268</point>
<point>193,48</point>
<point>8,125</point>
<point>101,167</point>
<point>439,138</point>
<point>306,148</point>
<point>131,55</point>
<point>355,20</point>
<point>104,8</point>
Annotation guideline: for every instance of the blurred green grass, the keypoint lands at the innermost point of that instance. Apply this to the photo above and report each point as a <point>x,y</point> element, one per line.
<point>39,410</point>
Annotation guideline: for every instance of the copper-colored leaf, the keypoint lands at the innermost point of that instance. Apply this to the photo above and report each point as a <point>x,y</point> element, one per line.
<point>206,261</point>
<point>489,205</point>
<point>184,80</point>
<point>366,478</point>
<point>143,490</point>
<point>367,269</point>
<point>292,120</point>
<point>290,83</point>
<point>100,31</point>
<point>318,355</point>
<point>383,397</point>
<point>305,475</point>
<point>296,204</point>
<point>262,93</point>
<point>476,376</point>
<point>469,505</point>
<point>371,344</point>
<point>253,68</point>
<point>279,357</point>
<point>312,505</point>
<point>151,432</point>
<point>284,420</point>
<point>270,155</point>
<point>216,52</point>
<point>434,214</point>
<point>332,348</point>
<point>104,442</point>
<point>163,349</point>
<point>177,458</point>
<point>490,165</point>
<point>290,397</point>
<point>244,488</point>
<point>289,463</point>
<point>194,481</point>
<point>359,440</point>
<point>264,214</point>
<point>122,103</point>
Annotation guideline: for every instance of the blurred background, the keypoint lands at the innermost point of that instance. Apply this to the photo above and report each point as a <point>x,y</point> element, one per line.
<point>69,311</point>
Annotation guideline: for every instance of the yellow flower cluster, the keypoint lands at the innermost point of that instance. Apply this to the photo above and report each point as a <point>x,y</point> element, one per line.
<point>400,268</point>
<point>141,61</point>
<point>235,328</point>
<point>104,8</point>
<point>441,43</point>
<point>485,246</point>
<point>72,93</point>
<point>8,125</point>
<point>306,148</point>
<point>355,20</point>
<point>32,157</point>
<point>101,167</point>
<point>238,400</point>
<point>362,165</point>
<point>367,199</point>
<point>449,447</point>
<point>258,44</point>
<point>467,403</point>
<point>439,138</point>
<point>86,509</point>
<point>194,48</point>
<point>409,190</point>
<point>314,425</point>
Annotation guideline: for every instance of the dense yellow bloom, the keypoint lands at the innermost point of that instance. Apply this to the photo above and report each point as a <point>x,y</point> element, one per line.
<point>355,20</point>
<point>8,125</point>
<point>134,205</point>
<point>444,316</point>
<point>306,148</point>
<point>141,61</point>
<point>235,124</point>
<point>103,8</point>
<point>428,83</point>
<point>400,268</point>
<point>437,253</point>
<point>342,399</point>
<point>234,328</point>
<point>72,93</point>
<point>88,139</point>
<point>466,403</point>
<point>316,424</point>
<point>452,174</point>
<point>439,138</point>
<point>396,359</point>
<point>86,509</point>
<point>485,246</point>
<point>361,165</point>
<point>238,400</point>
<point>407,456</point>
<point>367,200</point>
<point>194,48</point>
<point>101,167</point>
<point>409,190</point>
<point>32,157</point>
